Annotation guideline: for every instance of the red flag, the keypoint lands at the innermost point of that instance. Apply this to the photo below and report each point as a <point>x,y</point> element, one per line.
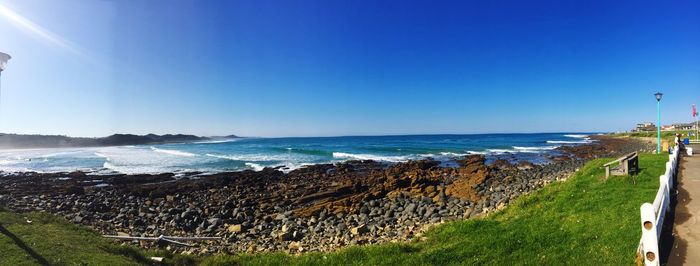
<point>695,111</point>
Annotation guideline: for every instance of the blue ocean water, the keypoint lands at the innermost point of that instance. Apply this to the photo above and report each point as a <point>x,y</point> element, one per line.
<point>290,153</point>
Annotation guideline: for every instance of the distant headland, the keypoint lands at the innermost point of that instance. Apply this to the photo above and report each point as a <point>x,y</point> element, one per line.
<point>27,141</point>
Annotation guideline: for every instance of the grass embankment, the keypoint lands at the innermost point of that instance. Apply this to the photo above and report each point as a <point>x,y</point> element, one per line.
<point>667,136</point>
<point>586,220</point>
<point>49,239</point>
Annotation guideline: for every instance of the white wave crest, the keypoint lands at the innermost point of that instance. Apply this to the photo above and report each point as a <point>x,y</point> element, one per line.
<point>455,154</point>
<point>256,167</point>
<point>517,149</point>
<point>343,155</point>
<point>56,154</point>
<point>500,151</point>
<point>173,152</point>
<point>576,136</point>
<point>535,149</point>
<point>568,141</point>
<point>216,141</point>
<point>291,166</point>
<point>251,157</point>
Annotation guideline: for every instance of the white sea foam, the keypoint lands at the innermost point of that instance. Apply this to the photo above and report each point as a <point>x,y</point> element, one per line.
<point>576,136</point>
<point>130,168</point>
<point>256,167</point>
<point>55,154</point>
<point>500,151</point>
<point>139,159</point>
<point>290,166</point>
<point>249,157</point>
<point>343,155</point>
<point>216,141</point>
<point>173,152</point>
<point>517,149</point>
<point>455,154</point>
<point>535,149</point>
<point>568,141</point>
<point>233,158</point>
<point>8,162</point>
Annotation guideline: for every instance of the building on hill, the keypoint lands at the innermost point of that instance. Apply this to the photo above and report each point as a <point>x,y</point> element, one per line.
<point>667,128</point>
<point>678,127</point>
<point>682,126</point>
<point>645,126</point>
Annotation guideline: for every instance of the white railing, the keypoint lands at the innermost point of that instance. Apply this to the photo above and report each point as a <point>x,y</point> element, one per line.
<point>653,214</point>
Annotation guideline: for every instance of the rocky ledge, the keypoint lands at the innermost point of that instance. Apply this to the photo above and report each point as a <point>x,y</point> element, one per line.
<point>317,208</point>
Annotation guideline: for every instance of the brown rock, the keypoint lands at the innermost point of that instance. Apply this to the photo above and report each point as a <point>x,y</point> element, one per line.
<point>236,228</point>
<point>360,230</point>
<point>295,246</point>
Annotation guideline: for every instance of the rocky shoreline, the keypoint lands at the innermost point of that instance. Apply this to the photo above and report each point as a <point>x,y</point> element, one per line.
<point>316,208</point>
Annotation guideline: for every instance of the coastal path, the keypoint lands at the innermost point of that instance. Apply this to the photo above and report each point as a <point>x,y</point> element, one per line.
<point>685,249</point>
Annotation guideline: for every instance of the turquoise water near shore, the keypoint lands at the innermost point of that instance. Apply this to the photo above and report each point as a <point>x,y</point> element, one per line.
<point>288,153</point>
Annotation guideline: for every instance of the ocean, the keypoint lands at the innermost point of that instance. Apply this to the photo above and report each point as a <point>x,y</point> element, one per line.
<point>287,153</point>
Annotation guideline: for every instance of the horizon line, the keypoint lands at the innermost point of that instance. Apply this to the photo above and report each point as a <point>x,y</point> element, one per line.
<point>330,136</point>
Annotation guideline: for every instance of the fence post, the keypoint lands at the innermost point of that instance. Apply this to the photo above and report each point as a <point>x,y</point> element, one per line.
<point>669,173</point>
<point>664,182</point>
<point>650,245</point>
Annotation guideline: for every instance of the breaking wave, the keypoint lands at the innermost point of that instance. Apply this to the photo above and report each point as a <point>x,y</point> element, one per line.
<point>568,141</point>
<point>256,167</point>
<point>455,154</point>
<point>216,141</point>
<point>249,157</point>
<point>343,155</point>
<point>576,136</point>
<point>173,152</point>
<point>517,149</point>
<point>535,149</point>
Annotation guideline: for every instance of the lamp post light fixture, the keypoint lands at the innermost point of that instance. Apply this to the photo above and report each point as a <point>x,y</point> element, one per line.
<point>3,61</point>
<point>3,64</point>
<point>658,121</point>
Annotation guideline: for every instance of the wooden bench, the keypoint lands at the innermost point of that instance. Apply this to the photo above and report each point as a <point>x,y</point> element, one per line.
<point>629,165</point>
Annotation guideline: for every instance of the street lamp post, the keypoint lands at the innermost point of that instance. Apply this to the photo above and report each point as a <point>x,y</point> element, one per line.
<point>658,121</point>
<point>697,130</point>
<point>3,61</point>
<point>3,64</point>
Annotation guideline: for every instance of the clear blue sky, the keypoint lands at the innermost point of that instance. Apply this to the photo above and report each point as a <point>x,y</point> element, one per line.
<point>318,68</point>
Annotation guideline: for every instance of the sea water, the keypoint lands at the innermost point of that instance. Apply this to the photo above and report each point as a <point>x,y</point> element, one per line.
<point>286,153</point>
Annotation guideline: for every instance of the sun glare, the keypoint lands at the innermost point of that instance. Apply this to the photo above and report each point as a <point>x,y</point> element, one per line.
<point>37,31</point>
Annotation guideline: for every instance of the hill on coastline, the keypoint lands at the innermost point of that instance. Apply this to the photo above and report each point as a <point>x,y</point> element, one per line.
<point>23,141</point>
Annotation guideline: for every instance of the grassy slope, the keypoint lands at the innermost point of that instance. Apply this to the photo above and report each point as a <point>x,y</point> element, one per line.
<point>53,240</point>
<point>667,136</point>
<point>585,219</point>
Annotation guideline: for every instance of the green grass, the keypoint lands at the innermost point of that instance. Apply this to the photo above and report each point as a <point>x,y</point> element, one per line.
<point>53,240</point>
<point>585,220</point>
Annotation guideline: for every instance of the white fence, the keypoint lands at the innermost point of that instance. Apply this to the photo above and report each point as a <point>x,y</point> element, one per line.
<point>653,214</point>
